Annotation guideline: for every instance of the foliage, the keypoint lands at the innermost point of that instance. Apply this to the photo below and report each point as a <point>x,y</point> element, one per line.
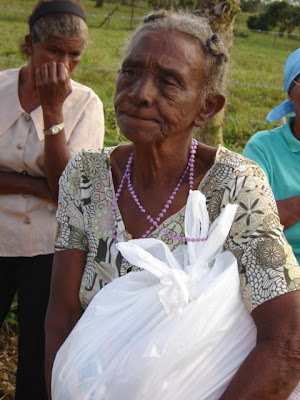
<point>173,4</point>
<point>8,361</point>
<point>11,318</point>
<point>99,3</point>
<point>280,14</point>
<point>250,5</point>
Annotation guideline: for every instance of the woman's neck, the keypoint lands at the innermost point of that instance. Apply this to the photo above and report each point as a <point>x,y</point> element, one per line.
<point>154,179</point>
<point>159,164</point>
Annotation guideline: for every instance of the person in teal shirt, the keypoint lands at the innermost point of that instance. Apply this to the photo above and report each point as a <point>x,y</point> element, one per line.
<point>277,151</point>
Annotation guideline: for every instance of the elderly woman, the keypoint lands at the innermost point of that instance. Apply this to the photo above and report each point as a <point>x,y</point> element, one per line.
<point>45,119</point>
<point>278,153</point>
<point>171,80</point>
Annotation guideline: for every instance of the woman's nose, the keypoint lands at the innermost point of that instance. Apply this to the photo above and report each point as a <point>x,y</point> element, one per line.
<point>143,91</point>
<point>66,61</point>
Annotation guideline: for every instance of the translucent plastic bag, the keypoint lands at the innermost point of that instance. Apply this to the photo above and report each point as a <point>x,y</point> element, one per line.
<point>177,330</point>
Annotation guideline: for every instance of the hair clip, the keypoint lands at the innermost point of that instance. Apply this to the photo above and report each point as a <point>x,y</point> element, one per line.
<point>215,38</point>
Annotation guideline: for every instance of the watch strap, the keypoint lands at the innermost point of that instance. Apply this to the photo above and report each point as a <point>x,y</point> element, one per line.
<point>54,130</point>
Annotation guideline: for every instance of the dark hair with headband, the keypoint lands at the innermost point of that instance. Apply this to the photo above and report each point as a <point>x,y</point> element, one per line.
<point>56,18</point>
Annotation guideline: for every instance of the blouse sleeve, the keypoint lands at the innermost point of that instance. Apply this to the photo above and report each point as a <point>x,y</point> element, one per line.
<point>267,265</point>
<point>89,129</point>
<point>71,228</point>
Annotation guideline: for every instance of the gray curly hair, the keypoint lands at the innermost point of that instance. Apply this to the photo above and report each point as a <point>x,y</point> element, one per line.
<point>56,25</point>
<point>197,27</point>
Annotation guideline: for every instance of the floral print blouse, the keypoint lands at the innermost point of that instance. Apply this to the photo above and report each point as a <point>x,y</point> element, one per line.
<point>267,266</point>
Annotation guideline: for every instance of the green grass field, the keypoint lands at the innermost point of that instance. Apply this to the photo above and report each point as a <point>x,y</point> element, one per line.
<point>254,81</point>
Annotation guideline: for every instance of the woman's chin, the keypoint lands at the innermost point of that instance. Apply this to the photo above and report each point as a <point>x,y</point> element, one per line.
<point>138,137</point>
<point>138,130</point>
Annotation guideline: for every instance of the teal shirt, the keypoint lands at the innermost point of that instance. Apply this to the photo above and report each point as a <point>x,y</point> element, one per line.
<point>278,153</point>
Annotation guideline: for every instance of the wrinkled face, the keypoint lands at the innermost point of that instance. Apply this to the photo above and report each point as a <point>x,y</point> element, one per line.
<point>158,91</point>
<point>67,50</point>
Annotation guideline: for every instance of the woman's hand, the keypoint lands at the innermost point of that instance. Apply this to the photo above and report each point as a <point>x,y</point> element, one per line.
<point>272,370</point>
<point>41,189</point>
<point>53,87</point>
<point>17,183</point>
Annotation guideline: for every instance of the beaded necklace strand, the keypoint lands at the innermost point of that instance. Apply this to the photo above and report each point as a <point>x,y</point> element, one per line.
<point>155,221</point>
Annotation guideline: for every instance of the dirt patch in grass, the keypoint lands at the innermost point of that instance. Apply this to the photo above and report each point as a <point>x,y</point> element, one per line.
<point>8,361</point>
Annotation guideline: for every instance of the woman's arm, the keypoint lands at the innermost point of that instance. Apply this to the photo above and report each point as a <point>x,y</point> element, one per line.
<point>269,281</point>
<point>17,183</point>
<point>64,309</point>
<point>54,86</point>
<point>272,369</point>
<point>289,211</point>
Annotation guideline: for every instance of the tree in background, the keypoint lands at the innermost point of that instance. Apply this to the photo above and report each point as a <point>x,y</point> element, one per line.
<point>280,14</point>
<point>99,3</point>
<point>251,5</point>
<point>221,16</point>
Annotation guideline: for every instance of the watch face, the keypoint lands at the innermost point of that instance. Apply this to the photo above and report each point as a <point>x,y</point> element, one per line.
<point>55,129</point>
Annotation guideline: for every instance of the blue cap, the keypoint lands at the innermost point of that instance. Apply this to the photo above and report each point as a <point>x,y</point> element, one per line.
<point>290,72</point>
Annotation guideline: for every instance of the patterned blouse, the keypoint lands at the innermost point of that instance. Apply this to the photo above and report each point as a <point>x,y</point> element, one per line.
<point>267,266</point>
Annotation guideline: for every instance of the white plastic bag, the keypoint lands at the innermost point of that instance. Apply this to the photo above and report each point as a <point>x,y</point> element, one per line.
<point>177,330</point>
<point>296,393</point>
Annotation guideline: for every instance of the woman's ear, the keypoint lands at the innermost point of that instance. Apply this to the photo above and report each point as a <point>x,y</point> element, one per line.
<point>29,44</point>
<point>212,105</point>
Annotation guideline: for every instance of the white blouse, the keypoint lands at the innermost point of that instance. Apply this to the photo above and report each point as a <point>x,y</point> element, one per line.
<point>27,223</point>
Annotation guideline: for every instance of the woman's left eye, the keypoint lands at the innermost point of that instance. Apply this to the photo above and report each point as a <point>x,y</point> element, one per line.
<point>168,82</point>
<point>54,50</point>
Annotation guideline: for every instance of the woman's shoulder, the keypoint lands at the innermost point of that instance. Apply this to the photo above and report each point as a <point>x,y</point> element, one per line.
<point>267,136</point>
<point>83,92</point>
<point>8,76</point>
<point>232,159</point>
<point>90,162</point>
<point>87,154</point>
<point>233,170</point>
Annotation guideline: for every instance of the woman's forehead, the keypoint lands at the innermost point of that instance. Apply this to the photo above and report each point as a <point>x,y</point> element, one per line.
<point>164,37</point>
<point>64,41</point>
<point>171,44</point>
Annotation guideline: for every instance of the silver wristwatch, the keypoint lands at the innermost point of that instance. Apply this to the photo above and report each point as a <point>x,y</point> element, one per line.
<point>55,129</point>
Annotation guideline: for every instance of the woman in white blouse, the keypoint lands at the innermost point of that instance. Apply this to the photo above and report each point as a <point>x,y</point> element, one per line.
<point>45,118</point>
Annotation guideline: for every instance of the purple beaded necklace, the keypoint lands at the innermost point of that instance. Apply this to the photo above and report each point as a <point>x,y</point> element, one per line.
<point>155,221</point>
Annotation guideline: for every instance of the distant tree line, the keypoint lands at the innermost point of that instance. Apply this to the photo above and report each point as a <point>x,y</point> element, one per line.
<point>189,5</point>
<point>251,6</point>
<point>282,15</point>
